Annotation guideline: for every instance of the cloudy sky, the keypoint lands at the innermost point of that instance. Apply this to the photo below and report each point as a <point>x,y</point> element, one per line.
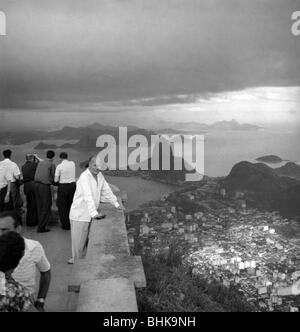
<point>143,62</point>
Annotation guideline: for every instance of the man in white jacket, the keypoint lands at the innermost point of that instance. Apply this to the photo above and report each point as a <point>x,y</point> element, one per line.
<point>91,188</point>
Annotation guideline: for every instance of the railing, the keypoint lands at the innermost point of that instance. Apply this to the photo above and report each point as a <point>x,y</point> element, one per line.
<point>105,280</point>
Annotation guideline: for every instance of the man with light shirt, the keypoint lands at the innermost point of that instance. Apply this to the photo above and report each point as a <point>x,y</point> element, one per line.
<point>34,259</point>
<point>5,184</point>
<point>91,189</point>
<point>65,177</point>
<point>16,177</point>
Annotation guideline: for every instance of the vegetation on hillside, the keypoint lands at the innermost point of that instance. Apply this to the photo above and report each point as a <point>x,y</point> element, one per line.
<point>171,287</point>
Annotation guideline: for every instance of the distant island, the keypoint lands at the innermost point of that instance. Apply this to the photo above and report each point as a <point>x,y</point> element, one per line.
<point>86,136</point>
<point>44,146</point>
<point>197,127</point>
<point>270,159</point>
<point>83,145</point>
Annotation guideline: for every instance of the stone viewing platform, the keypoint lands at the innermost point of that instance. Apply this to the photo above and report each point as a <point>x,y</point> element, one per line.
<point>105,280</point>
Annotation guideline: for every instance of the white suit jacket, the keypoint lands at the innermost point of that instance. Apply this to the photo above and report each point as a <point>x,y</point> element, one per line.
<point>88,195</point>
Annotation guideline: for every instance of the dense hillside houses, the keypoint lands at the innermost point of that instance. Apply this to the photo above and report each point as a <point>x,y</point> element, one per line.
<point>253,250</point>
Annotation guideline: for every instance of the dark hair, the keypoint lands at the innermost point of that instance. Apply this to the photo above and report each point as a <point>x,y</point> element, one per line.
<point>50,154</point>
<point>12,248</point>
<point>63,155</point>
<point>29,157</point>
<point>7,153</point>
<point>86,163</point>
<point>12,214</point>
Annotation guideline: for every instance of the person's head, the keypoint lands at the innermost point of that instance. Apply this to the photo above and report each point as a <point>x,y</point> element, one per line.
<point>50,154</point>
<point>63,155</point>
<point>9,221</point>
<point>30,157</point>
<point>12,247</point>
<point>93,167</point>
<point>7,154</point>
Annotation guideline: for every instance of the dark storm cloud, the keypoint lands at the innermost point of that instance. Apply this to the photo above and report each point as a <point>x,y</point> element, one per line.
<point>98,51</point>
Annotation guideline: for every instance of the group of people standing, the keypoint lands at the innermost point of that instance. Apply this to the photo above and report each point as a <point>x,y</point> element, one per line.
<point>78,204</point>
<point>38,176</point>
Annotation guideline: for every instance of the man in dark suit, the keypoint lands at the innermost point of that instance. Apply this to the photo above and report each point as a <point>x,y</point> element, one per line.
<point>44,178</point>
<point>28,171</point>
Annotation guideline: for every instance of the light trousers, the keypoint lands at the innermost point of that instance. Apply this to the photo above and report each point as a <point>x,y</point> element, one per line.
<point>79,235</point>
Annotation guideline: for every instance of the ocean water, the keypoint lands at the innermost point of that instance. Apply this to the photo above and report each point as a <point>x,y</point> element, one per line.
<point>221,151</point>
<point>140,191</point>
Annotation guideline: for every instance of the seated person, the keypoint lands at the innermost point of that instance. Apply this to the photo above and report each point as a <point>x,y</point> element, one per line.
<point>13,296</point>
